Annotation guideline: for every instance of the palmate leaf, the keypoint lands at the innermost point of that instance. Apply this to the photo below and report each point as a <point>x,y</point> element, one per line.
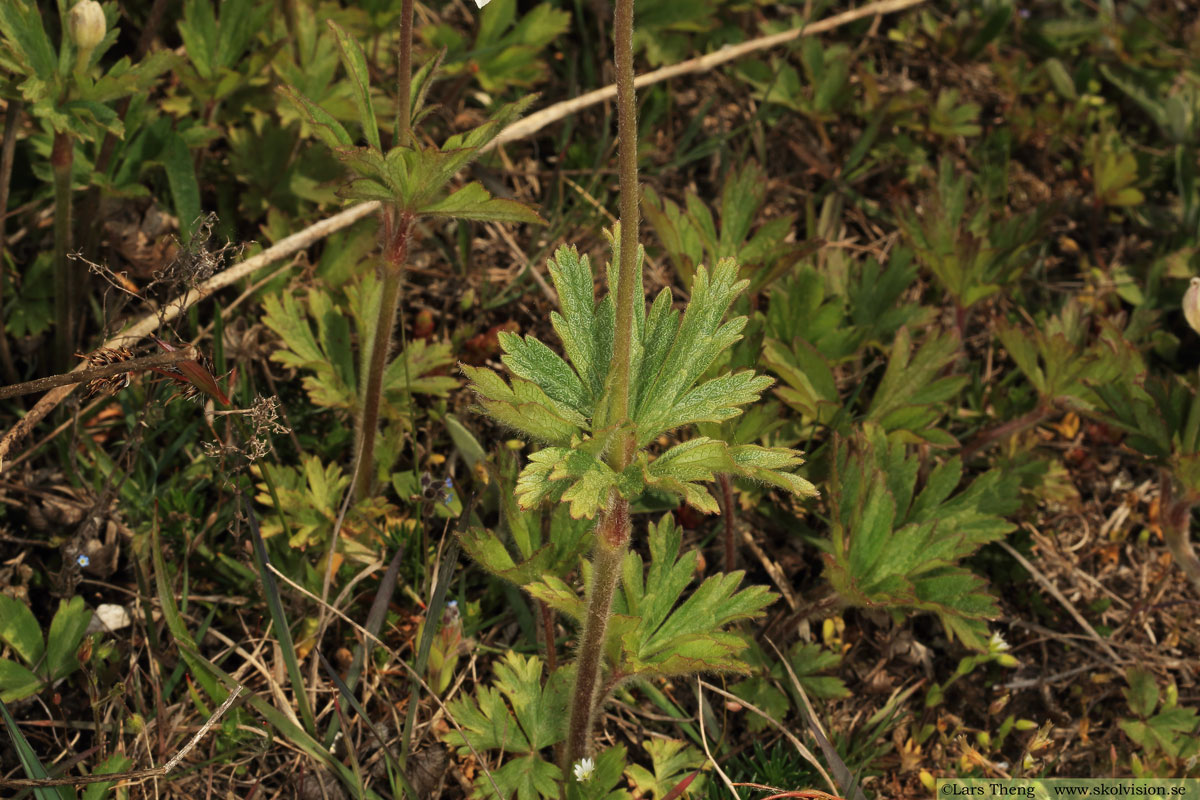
<point>574,475</point>
<point>561,401</point>
<point>581,329</point>
<point>669,355</point>
<point>683,468</point>
<point>412,177</point>
<point>659,399</point>
<point>529,558</point>
<point>517,716</point>
<point>524,407</point>
<point>911,395</point>
<point>672,761</point>
<point>893,551</point>
<point>657,627</point>
<point>326,354</point>
<point>309,497</point>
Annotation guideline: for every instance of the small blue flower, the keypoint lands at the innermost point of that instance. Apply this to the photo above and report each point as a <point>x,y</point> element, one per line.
<point>82,560</point>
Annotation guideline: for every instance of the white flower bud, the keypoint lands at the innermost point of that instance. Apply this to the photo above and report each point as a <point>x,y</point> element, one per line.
<point>1191,305</point>
<point>86,25</point>
<point>482,3</point>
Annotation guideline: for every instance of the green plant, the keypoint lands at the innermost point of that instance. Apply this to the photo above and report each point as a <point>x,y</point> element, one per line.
<point>46,660</point>
<point>410,181</point>
<point>1161,417</point>
<point>808,661</point>
<point>910,399</point>
<point>62,92</point>
<point>507,52</point>
<point>322,348</point>
<point>1165,731</point>
<point>632,377</point>
<point>971,252</point>
<point>895,548</point>
<point>691,236</point>
<point>819,91</point>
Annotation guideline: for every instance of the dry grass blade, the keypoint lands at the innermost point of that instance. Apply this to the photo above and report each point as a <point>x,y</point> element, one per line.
<point>1045,583</point>
<point>535,122</point>
<point>831,754</point>
<point>155,772</point>
<point>416,676</point>
<point>791,737</point>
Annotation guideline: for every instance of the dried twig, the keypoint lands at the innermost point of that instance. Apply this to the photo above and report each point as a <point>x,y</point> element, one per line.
<point>535,122</point>
<point>93,373</point>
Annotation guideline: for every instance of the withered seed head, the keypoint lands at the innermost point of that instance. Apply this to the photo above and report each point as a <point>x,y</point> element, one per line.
<point>101,358</point>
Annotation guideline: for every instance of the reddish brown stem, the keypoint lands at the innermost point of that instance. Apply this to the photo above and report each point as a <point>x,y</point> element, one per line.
<point>612,542</point>
<point>547,615</point>
<point>727,515</point>
<point>1004,430</point>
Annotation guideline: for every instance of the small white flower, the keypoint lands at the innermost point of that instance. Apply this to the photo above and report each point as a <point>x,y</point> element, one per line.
<point>481,4</point>
<point>585,766</point>
<point>997,644</point>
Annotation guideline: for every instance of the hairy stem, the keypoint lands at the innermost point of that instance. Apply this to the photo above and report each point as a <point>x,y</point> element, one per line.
<point>547,617</point>
<point>627,165</point>
<point>727,515</point>
<point>66,289</point>
<point>404,91</point>
<point>396,225</point>
<point>613,526</point>
<point>612,542</point>
<point>372,396</point>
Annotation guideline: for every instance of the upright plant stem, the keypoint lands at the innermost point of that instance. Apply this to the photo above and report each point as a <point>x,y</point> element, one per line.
<point>404,124</point>
<point>627,166</point>
<point>612,542</point>
<point>66,290</point>
<point>613,527</point>
<point>372,397</point>
<point>396,226</point>
<point>727,515</point>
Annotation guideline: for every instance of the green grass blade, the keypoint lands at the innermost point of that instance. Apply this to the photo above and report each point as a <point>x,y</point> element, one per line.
<point>278,619</point>
<point>29,761</point>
